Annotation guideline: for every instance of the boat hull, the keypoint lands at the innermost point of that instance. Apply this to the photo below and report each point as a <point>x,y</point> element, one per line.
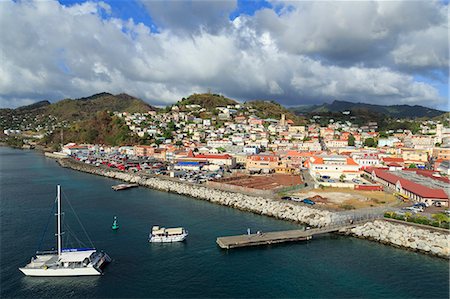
<point>169,239</point>
<point>85,271</point>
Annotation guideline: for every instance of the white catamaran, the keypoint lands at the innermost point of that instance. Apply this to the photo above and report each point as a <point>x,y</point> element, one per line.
<point>66,261</point>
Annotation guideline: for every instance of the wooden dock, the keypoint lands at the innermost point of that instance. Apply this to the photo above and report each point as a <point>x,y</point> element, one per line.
<point>276,237</point>
<point>123,186</point>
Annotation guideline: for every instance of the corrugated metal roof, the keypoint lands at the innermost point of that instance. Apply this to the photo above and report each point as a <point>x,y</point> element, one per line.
<point>410,186</point>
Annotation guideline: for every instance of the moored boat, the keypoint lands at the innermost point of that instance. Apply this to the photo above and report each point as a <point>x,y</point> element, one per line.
<point>167,235</point>
<point>66,261</point>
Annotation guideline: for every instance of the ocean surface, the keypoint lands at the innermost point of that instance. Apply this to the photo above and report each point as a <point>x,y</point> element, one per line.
<point>329,266</point>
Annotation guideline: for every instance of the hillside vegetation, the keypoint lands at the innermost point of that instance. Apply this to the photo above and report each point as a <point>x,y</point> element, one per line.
<point>206,100</point>
<point>102,128</point>
<point>271,109</point>
<point>395,111</point>
<point>85,108</point>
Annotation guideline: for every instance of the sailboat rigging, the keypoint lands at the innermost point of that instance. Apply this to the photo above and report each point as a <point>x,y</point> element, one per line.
<point>66,261</point>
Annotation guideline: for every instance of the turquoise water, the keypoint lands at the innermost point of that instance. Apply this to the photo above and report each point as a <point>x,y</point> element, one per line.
<point>327,267</point>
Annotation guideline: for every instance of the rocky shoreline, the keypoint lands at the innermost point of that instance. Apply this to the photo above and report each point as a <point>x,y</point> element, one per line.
<point>259,205</point>
<point>435,243</point>
<point>429,241</point>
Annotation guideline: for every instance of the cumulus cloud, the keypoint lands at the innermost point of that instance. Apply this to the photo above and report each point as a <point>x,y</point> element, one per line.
<point>51,51</point>
<point>365,32</point>
<point>191,16</point>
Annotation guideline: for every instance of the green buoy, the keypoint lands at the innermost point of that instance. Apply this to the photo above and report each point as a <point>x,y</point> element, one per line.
<point>115,225</point>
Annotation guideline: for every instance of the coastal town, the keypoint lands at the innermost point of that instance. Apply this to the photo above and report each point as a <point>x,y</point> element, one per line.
<point>338,171</point>
<point>224,149</point>
<point>339,166</point>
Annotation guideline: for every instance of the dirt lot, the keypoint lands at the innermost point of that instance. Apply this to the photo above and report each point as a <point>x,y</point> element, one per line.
<point>263,182</point>
<point>346,198</point>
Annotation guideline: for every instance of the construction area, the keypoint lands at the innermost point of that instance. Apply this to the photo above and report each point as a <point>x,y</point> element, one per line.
<point>347,198</point>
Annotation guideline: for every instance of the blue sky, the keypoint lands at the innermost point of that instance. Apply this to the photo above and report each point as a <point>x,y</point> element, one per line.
<point>294,52</point>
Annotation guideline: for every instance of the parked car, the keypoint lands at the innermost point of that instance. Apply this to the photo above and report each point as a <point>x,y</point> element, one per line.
<point>286,198</point>
<point>420,204</point>
<point>414,209</point>
<point>308,201</point>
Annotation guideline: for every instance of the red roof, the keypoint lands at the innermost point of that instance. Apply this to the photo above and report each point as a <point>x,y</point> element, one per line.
<point>394,165</point>
<point>410,186</point>
<point>395,160</point>
<point>350,161</point>
<point>429,174</point>
<point>271,158</point>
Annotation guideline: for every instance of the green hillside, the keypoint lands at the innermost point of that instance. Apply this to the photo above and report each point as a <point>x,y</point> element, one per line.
<point>45,115</point>
<point>101,128</point>
<point>395,111</point>
<point>206,100</point>
<point>271,109</point>
<point>84,108</point>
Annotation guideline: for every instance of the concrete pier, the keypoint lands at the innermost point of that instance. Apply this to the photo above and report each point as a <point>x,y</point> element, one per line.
<point>276,237</point>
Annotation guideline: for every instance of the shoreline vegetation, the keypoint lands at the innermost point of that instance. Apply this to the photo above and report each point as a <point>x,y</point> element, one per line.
<point>428,240</point>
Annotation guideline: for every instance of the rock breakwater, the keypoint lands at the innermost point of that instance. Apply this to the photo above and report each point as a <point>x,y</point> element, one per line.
<point>259,205</point>
<point>430,241</point>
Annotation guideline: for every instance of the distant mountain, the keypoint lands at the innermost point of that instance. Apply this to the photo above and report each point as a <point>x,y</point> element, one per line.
<point>395,111</point>
<point>209,101</point>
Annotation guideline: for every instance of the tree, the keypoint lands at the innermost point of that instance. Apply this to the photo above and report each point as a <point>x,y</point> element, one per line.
<point>383,134</point>
<point>407,215</point>
<point>179,143</point>
<point>351,140</point>
<point>440,218</point>
<point>167,134</point>
<point>370,142</point>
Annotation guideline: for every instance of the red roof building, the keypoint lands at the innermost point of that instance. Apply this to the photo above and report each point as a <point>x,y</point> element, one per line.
<point>413,190</point>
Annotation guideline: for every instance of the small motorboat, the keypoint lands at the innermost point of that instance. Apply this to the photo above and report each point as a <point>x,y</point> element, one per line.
<point>167,235</point>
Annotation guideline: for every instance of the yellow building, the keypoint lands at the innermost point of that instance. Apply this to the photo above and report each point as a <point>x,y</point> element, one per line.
<point>416,156</point>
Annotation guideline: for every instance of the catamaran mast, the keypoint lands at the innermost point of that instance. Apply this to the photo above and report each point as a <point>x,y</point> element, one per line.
<point>59,221</point>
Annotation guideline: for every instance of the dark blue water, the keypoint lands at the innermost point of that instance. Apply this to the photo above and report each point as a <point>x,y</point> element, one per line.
<point>329,266</point>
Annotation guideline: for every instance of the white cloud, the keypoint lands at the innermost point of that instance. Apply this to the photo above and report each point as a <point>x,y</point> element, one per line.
<point>190,16</point>
<point>50,51</point>
<point>357,32</point>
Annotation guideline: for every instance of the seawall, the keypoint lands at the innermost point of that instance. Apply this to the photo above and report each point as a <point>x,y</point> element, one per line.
<point>426,240</point>
<point>429,241</point>
<point>257,204</point>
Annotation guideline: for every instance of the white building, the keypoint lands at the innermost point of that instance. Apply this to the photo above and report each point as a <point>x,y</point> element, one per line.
<point>333,166</point>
